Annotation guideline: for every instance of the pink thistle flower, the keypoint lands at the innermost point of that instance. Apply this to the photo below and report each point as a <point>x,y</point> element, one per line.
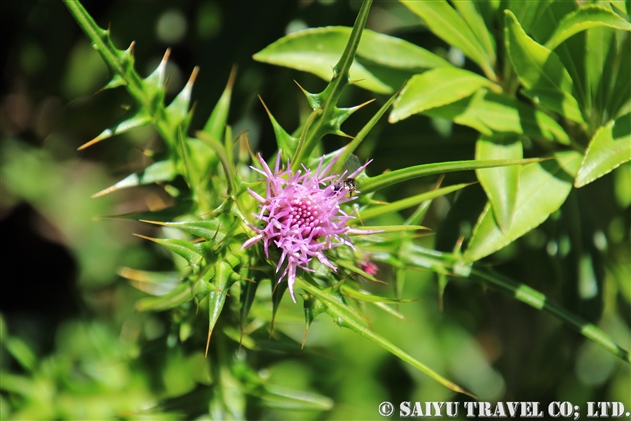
<point>302,216</point>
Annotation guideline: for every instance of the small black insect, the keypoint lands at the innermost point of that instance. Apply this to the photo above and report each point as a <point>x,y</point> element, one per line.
<point>349,184</point>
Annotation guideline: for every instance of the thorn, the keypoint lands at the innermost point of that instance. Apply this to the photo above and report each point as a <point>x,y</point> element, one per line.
<point>104,192</point>
<point>216,232</point>
<point>167,53</point>
<point>144,237</point>
<point>210,332</point>
<point>107,133</point>
<point>304,91</point>
<point>304,338</point>
<point>458,245</point>
<point>232,77</point>
<point>153,222</point>
<point>193,76</point>
<point>354,81</point>
<point>357,107</point>
<point>342,134</point>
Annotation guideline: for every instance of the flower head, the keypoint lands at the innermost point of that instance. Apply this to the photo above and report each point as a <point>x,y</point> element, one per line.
<point>301,215</point>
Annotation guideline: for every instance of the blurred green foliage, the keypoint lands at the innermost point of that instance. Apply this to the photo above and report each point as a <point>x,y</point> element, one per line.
<point>103,359</point>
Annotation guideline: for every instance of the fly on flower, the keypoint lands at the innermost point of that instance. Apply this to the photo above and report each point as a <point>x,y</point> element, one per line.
<point>301,216</point>
<point>346,182</point>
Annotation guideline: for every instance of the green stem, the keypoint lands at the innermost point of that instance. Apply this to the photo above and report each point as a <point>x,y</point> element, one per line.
<point>324,114</point>
<point>539,301</point>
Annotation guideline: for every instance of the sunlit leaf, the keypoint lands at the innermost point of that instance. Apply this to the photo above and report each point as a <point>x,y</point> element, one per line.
<point>471,13</point>
<point>435,88</point>
<point>543,189</point>
<point>218,119</point>
<point>589,16</point>
<point>610,147</point>
<point>490,113</point>
<point>621,85</point>
<point>540,69</point>
<point>381,65</point>
<point>178,109</point>
<point>529,13</point>
<point>500,184</point>
<point>446,23</point>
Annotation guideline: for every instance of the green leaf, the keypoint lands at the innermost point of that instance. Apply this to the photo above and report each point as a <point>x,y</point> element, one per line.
<point>217,296</point>
<point>178,109</point>
<point>543,189</point>
<point>435,88</point>
<point>589,16</point>
<point>500,184</point>
<point>610,147</point>
<point>491,113</point>
<point>555,100</point>
<point>371,184</point>
<point>529,13</point>
<point>600,58</point>
<point>22,352</point>
<point>183,293</point>
<point>284,140</point>
<point>193,253</point>
<point>279,397</point>
<point>359,295</point>
<point>348,318</point>
<point>382,63</point>
<point>571,52</point>
<point>212,229</point>
<point>138,119</point>
<point>248,292</point>
<point>446,23</point>
<point>218,119</point>
<point>156,172</point>
<point>621,83</point>
<point>152,283</point>
<point>621,5</point>
<point>539,69</point>
<point>471,13</point>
